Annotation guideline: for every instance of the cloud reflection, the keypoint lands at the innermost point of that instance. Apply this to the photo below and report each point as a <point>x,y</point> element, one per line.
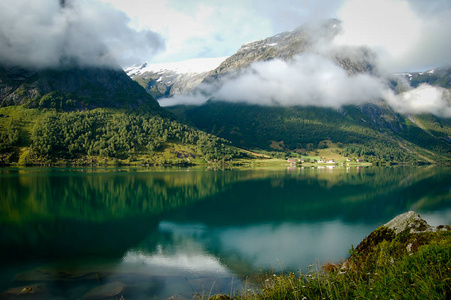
<point>271,246</point>
<point>293,246</point>
<point>180,261</point>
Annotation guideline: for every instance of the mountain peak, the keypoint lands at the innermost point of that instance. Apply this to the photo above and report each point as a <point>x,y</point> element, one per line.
<point>167,79</point>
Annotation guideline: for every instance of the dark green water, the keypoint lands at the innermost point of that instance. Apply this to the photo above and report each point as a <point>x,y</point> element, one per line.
<point>164,232</point>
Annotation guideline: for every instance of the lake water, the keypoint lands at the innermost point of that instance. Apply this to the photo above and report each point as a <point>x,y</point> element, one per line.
<point>81,233</point>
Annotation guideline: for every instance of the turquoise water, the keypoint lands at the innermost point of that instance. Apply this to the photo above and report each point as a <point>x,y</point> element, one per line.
<point>162,232</point>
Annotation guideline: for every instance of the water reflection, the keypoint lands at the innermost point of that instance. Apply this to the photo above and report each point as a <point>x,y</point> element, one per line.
<point>265,247</point>
<point>154,232</point>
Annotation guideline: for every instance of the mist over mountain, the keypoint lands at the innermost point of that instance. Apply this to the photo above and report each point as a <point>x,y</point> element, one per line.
<point>298,89</point>
<point>67,55</point>
<point>307,67</point>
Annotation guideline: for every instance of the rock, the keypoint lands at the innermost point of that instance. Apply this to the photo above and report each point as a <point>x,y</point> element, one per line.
<point>106,291</point>
<point>219,297</point>
<point>408,221</point>
<point>402,235</point>
<point>35,291</point>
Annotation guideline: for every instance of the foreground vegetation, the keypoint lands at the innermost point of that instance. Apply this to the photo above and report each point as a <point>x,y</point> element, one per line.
<point>384,266</point>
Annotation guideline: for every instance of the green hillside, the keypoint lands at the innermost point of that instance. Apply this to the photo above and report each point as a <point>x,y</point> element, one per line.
<point>93,116</point>
<point>370,131</point>
<point>104,136</point>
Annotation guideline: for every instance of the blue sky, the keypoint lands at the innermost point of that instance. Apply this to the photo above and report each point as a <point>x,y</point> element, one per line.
<point>199,28</point>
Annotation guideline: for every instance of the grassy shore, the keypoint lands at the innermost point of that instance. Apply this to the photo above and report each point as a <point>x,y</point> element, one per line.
<point>408,266</point>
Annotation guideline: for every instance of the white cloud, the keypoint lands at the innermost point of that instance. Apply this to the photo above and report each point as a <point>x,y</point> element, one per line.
<point>423,99</point>
<point>407,35</point>
<point>310,79</point>
<point>313,80</point>
<point>84,32</point>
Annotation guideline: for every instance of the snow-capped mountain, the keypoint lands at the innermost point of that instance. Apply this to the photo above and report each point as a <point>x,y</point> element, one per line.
<point>167,79</point>
<point>437,77</point>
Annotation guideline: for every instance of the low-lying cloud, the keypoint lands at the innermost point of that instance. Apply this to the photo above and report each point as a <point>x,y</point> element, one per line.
<point>314,80</point>
<point>423,99</point>
<point>52,33</point>
<point>310,79</point>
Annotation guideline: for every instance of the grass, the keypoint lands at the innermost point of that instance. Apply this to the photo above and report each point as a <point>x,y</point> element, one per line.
<point>424,275</point>
<point>405,266</point>
<point>25,119</point>
<point>261,162</point>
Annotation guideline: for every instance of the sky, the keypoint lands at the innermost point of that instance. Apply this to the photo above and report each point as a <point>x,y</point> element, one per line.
<point>408,35</point>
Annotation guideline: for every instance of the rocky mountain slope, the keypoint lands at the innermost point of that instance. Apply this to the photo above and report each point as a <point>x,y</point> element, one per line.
<point>288,44</point>
<point>71,89</point>
<point>168,79</point>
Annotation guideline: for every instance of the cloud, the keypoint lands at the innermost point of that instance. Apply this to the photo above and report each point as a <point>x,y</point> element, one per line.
<point>423,99</point>
<point>407,35</point>
<point>314,80</point>
<point>310,79</point>
<point>50,33</point>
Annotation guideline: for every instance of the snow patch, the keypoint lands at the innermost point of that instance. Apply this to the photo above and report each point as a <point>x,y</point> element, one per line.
<point>196,65</point>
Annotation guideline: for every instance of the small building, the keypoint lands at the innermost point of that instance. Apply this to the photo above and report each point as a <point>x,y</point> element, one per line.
<point>359,160</point>
<point>291,160</point>
<point>321,161</point>
<point>348,160</point>
<point>331,161</point>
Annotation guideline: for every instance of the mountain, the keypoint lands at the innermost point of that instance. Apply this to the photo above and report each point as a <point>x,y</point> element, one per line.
<point>373,130</point>
<point>71,89</point>
<point>288,44</point>
<point>436,77</point>
<point>168,79</point>
<point>91,116</point>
